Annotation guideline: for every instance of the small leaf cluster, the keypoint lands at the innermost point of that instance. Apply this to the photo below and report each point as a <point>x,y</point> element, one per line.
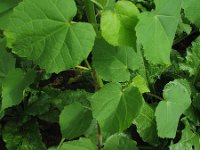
<point>99,74</point>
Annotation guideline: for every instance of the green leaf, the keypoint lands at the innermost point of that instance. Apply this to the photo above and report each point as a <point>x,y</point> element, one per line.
<point>118,26</point>
<point>189,140</point>
<point>26,137</point>
<point>155,32</point>
<point>113,63</point>
<point>43,32</point>
<point>177,100</point>
<point>74,120</point>
<point>192,63</point>
<point>114,108</point>
<point>14,85</point>
<point>6,9</point>
<point>7,61</point>
<point>120,142</point>
<point>81,144</point>
<point>140,83</point>
<point>191,10</point>
<point>146,125</point>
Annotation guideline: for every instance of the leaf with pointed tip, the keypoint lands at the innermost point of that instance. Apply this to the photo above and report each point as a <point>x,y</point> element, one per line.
<point>177,100</point>
<point>191,10</point>
<point>118,26</point>
<point>159,33</point>
<point>113,63</point>
<point>43,32</point>
<point>115,109</point>
<point>74,120</point>
<point>119,142</point>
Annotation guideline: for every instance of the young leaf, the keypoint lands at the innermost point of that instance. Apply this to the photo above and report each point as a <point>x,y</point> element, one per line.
<point>113,63</point>
<point>192,64</point>
<point>43,32</point>
<point>191,10</point>
<point>14,85</point>
<point>155,32</point>
<point>104,4</point>
<point>177,100</point>
<point>74,120</point>
<point>81,144</point>
<point>118,26</point>
<point>140,83</point>
<point>146,125</point>
<point>26,137</point>
<point>115,109</point>
<point>120,142</point>
<point>189,140</point>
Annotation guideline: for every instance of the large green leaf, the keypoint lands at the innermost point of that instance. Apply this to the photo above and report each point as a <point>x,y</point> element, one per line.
<point>118,26</point>
<point>7,61</point>
<point>74,120</point>
<point>26,137</point>
<point>177,100</point>
<point>115,109</point>
<point>14,85</point>
<point>120,142</point>
<point>192,64</point>
<point>189,140</point>
<point>6,9</point>
<point>156,30</point>
<point>43,32</point>
<point>81,144</point>
<point>191,10</point>
<point>113,63</point>
<point>146,125</point>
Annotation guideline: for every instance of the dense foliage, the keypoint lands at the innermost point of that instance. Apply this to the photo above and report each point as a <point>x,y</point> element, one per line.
<point>99,74</point>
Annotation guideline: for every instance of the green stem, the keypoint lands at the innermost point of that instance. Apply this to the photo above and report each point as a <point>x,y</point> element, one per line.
<point>156,96</point>
<point>83,68</point>
<point>90,11</point>
<point>60,144</point>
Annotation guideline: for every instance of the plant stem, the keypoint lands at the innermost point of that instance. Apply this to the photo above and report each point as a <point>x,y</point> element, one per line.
<point>99,136</point>
<point>60,144</point>
<point>83,68</point>
<point>156,96</point>
<point>90,11</point>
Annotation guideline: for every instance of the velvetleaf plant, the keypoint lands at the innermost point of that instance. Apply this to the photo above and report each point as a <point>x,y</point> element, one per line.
<point>99,74</point>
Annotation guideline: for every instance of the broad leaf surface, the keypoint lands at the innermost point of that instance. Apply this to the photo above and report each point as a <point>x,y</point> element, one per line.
<point>146,125</point>
<point>191,10</point>
<point>192,64</point>
<point>74,120</point>
<point>43,32</point>
<point>81,144</point>
<point>14,85</point>
<point>113,63</point>
<point>155,32</point>
<point>120,142</point>
<point>6,9</point>
<point>176,101</point>
<point>115,109</point>
<point>118,26</point>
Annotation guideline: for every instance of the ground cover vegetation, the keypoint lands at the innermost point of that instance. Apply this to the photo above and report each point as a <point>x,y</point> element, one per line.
<point>99,74</point>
